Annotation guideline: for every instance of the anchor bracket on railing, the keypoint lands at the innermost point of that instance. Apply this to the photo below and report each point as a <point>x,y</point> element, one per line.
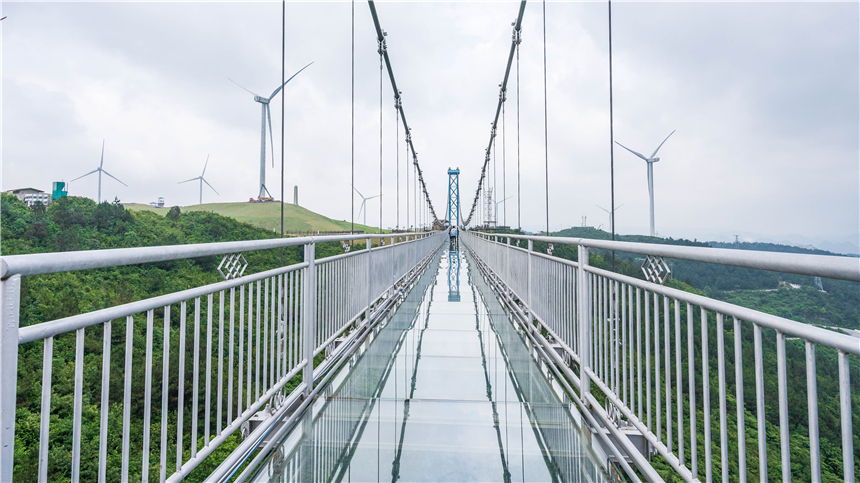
<point>232,266</point>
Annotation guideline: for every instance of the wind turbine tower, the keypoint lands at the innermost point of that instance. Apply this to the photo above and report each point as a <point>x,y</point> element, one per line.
<point>202,181</point>
<point>99,170</point>
<point>363,204</point>
<point>266,115</point>
<point>650,161</point>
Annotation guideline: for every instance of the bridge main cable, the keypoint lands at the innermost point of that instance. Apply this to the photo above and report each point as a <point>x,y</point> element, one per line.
<point>398,104</point>
<point>515,40</point>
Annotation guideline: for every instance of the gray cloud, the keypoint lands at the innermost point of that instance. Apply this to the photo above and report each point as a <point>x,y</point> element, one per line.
<point>764,97</point>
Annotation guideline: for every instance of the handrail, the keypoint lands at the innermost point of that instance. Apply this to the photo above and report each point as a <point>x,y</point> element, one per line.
<point>43,263</point>
<point>827,266</point>
<point>603,320</point>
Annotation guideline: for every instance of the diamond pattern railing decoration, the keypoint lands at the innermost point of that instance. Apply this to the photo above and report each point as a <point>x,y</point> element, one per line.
<point>232,266</point>
<point>655,269</point>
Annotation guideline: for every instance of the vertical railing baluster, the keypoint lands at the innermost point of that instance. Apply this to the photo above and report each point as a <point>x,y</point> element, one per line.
<point>207,403</point>
<point>230,361</point>
<point>105,405</point>
<point>721,370</point>
<point>624,344</point>
<point>706,394</point>
<point>147,397</point>
<point>783,407</point>
<point>45,419</point>
<point>739,402</point>
<point>679,383</point>
<point>668,358</point>
<point>240,372</point>
<point>647,339</point>
<point>265,359</point>
<point>812,398</point>
<point>180,404</point>
<point>165,380</point>
<point>257,347</point>
<point>759,393</point>
<point>658,388</point>
<point>195,378</point>
<point>639,350</point>
<point>220,405</point>
<point>845,416</point>
<point>126,403</point>
<point>76,421</point>
<point>691,392</point>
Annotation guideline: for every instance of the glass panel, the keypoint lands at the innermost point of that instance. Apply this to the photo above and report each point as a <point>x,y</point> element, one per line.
<point>447,391</point>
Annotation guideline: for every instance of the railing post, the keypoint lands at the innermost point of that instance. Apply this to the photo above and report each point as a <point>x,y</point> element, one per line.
<point>309,283</point>
<point>583,296</point>
<point>529,284</point>
<point>10,298</point>
<point>369,294</point>
<point>508,265</point>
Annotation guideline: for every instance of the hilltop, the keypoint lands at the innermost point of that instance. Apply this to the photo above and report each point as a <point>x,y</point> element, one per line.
<point>265,215</point>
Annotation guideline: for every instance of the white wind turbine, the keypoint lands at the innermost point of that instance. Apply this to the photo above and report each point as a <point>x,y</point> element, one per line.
<point>267,114</point>
<point>202,181</point>
<point>650,161</point>
<point>363,201</point>
<point>611,216</point>
<point>99,170</point>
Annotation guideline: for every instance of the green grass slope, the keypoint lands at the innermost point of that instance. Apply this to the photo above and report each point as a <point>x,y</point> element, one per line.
<point>266,215</point>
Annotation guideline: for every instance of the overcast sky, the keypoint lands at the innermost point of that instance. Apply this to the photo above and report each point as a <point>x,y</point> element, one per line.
<point>764,98</point>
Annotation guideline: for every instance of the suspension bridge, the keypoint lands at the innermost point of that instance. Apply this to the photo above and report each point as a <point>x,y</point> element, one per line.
<point>449,354</point>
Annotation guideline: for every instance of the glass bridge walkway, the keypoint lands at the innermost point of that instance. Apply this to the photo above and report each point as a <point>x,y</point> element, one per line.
<point>446,390</point>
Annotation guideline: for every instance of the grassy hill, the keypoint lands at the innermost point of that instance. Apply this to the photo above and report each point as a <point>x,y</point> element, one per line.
<point>265,215</point>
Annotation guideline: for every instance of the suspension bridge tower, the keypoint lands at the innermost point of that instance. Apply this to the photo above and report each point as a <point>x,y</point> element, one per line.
<point>453,197</point>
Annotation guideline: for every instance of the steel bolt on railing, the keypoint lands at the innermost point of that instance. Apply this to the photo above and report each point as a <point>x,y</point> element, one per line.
<point>268,341</point>
<point>612,328</point>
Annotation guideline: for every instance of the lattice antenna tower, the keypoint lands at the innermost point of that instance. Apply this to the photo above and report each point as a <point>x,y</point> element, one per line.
<point>490,215</point>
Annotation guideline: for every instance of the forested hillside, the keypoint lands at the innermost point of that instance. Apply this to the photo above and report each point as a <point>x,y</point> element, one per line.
<point>81,224</point>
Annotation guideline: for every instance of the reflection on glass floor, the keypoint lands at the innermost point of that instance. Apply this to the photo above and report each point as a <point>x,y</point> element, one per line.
<point>446,391</point>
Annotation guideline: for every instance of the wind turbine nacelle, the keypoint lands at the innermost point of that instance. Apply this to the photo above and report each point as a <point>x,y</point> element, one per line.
<point>261,100</point>
<point>653,160</point>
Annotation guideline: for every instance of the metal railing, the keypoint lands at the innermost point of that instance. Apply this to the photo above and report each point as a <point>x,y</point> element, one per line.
<point>645,349</point>
<point>243,339</point>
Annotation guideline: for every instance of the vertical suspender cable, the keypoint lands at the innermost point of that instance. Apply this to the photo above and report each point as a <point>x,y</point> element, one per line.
<point>352,120</point>
<point>495,185</point>
<point>381,45</point>
<point>545,128</point>
<point>519,223</point>
<point>397,161</point>
<point>611,142</point>
<point>504,164</point>
<point>283,104</point>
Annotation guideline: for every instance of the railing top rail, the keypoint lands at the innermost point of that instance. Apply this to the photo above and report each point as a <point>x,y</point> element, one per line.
<point>827,266</point>
<point>42,263</point>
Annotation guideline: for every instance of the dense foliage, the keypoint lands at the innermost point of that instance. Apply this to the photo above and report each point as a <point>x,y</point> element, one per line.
<point>80,224</point>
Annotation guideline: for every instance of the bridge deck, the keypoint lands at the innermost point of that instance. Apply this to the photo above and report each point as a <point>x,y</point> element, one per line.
<point>446,391</point>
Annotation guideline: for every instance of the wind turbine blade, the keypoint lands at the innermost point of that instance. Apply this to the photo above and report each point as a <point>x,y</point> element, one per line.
<point>114,177</point>
<point>619,206</point>
<point>602,208</point>
<point>187,180</point>
<point>271,137</point>
<point>231,80</point>
<point>372,197</point>
<point>632,151</point>
<point>79,177</point>
<point>204,166</point>
<point>103,154</point>
<point>661,144</point>
<point>356,190</point>
<point>287,82</point>
<point>213,189</point>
